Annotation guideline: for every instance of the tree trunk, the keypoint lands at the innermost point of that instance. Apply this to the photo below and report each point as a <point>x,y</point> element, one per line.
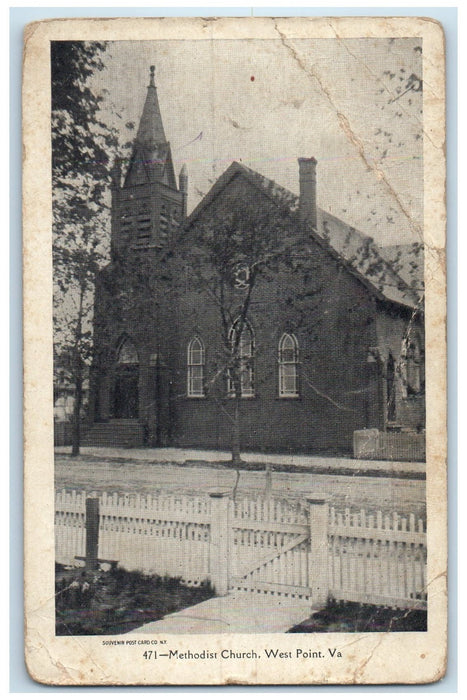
<point>76,422</point>
<point>236,459</point>
<point>78,380</point>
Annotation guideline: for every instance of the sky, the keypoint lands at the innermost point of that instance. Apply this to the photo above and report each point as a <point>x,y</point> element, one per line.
<point>266,103</point>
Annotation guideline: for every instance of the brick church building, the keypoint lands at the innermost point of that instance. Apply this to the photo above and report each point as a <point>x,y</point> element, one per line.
<point>258,301</point>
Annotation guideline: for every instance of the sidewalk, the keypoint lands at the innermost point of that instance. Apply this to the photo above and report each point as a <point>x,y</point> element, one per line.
<point>305,463</point>
<point>240,613</point>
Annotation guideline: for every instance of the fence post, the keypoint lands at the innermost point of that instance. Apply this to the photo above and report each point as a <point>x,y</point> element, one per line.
<point>92,532</point>
<point>318,573</point>
<point>219,540</point>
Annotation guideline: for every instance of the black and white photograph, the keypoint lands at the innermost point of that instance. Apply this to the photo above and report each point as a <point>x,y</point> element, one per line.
<point>240,348</point>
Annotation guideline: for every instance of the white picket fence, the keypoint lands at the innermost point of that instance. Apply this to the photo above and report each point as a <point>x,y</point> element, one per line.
<point>164,534</point>
<point>376,559</point>
<point>270,545</point>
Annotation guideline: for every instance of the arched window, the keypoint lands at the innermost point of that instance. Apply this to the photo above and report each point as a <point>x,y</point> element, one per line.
<point>412,366</point>
<point>195,383</point>
<point>288,366</point>
<point>127,354</point>
<point>241,276</point>
<point>242,347</point>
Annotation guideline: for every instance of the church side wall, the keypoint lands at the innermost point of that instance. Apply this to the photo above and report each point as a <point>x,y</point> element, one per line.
<point>338,389</point>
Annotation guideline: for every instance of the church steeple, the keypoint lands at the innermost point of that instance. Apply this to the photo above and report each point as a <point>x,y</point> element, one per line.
<point>151,159</point>
<point>148,208</point>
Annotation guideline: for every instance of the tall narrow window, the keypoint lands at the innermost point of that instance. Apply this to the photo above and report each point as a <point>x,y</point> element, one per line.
<point>195,368</point>
<point>125,401</point>
<point>391,389</point>
<point>288,366</point>
<point>414,371</point>
<point>242,347</point>
<point>412,366</point>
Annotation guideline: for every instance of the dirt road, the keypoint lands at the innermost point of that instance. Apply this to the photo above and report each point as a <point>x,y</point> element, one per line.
<point>378,493</point>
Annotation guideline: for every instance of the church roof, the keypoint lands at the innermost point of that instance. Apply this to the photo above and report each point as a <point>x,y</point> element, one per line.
<point>359,252</point>
<point>151,158</point>
<point>407,261</point>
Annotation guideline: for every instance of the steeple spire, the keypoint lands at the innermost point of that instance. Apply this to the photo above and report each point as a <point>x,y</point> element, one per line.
<point>151,158</point>
<point>151,130</point>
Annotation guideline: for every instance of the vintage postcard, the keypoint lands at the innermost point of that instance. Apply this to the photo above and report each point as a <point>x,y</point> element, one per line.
<point>235,359</point>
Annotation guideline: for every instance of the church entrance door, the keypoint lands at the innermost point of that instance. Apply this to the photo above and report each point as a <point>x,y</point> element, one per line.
<point>126,380</point>
<point>126,392</point>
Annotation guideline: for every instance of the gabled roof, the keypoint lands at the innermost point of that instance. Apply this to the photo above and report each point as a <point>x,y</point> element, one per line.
<point>356,250</point>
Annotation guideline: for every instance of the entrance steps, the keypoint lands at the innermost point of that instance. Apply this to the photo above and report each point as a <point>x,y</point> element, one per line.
<point>115,433</point>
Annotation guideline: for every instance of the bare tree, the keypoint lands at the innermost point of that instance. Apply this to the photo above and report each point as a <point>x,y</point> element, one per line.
<point>232,260</point>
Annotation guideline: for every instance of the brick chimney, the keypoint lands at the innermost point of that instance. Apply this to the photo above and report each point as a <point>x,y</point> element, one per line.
<point>307,205</point>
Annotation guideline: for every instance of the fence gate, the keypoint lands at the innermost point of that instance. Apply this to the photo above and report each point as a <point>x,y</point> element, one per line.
<point>271,548</point>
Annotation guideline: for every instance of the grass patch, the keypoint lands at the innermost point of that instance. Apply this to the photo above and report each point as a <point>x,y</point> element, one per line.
<point>354,617</point>
<point>117,601</point>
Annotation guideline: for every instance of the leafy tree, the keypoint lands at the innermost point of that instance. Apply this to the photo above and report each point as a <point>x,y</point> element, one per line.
<point>81,145</point>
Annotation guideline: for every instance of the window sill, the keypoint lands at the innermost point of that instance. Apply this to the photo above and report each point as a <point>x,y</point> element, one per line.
<point>242,398</point>
<point>219,398</point>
